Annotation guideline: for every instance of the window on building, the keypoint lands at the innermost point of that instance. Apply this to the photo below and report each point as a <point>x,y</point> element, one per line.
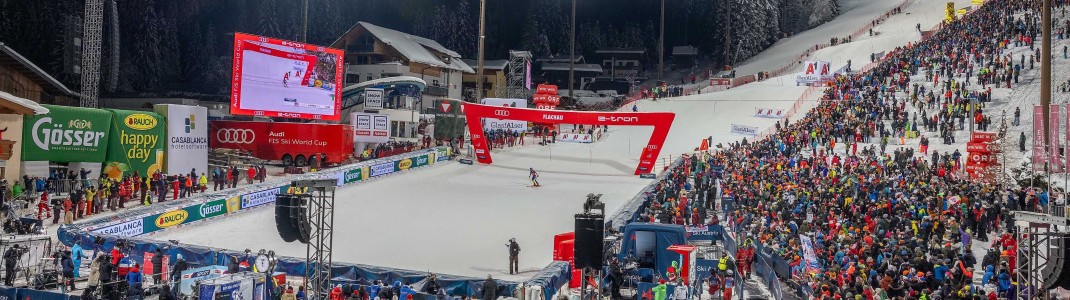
<point>352,78</point>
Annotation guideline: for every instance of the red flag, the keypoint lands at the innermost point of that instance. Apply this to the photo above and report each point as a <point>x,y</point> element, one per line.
<point>1055,119</point>
<point>1040,157</point>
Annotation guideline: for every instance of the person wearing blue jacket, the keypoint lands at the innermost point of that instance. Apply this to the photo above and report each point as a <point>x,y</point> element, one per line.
<point>940,273</point>
<point>989,273</point>
<point>406,291</point>
<point>373,290</point>
<point>76,258</point>
<point>133,277</point>
<point>1004,281</point>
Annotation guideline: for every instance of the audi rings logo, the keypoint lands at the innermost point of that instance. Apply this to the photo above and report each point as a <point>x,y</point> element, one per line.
<point>235,136</point>
<point>501,113</point>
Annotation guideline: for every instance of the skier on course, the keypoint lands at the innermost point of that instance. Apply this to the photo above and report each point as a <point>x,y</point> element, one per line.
<point>534,177</point>
<point>286,79</point>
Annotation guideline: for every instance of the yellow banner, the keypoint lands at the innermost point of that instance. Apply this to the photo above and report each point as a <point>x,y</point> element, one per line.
<point>960,12</point>
<point>949,13</point>
<point>977,2</point>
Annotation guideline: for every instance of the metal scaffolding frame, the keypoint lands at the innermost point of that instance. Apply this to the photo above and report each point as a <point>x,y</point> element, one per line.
<point>518,62</point>
<point>93,25</point>
<point>1034,233</point>
<point>318,251</point>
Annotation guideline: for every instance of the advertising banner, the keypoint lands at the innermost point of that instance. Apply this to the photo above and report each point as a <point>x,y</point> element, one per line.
<point>744,130</point>
<point>1054,160</point>
<point>354,175</point>
<point>442,153</point>
<point>137,143</point>
<point>490,123</point>
<point>769,113</point>
<point>704,233</point>
<point>373,98</point>
<point>189,277</point>
<point>66,134</point>
<point>661,121</point>
<point>187,138</point>
<point>285,79</point>
<point>130,228</point>
<point>575,138</point>
<point>949,12</point>
<point>815,71</point>
<point>370,128</point>
<point>809,257</point>
<point>185,215</point>
<point>260,198</point>
<point>1040,156</point>
<point>982,136</point>
<point>983,148</point>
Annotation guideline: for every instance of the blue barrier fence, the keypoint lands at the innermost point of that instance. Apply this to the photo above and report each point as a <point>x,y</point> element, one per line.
<point>195,255</point>
<point>7,292</point>
<point>770,268</point>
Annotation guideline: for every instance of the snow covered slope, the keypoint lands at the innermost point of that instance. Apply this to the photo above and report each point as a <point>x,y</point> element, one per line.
<point>456,218</point>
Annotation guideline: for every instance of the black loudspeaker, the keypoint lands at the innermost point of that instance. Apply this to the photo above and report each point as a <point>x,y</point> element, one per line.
<point>299,215</point>
<point>283,221</point>
<point>1057,271</point>
<point>590,232</point>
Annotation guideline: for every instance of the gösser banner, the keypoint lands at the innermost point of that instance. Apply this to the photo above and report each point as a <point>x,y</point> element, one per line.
<point>493,123</point>
<point>370,128</point>
<point>136,144</point>
<point>661,121</point>
<point>187,138</point>
<point>279,78</point>
<point>66,134</point>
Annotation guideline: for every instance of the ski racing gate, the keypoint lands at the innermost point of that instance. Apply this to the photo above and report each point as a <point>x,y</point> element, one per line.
<point>662,121</point>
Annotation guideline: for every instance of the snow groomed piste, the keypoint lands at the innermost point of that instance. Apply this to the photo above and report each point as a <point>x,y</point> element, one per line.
<point>133,227</point>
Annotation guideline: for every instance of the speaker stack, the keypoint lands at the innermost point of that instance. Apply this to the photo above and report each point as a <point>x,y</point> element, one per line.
<point>283,220</point>
<point>1057,272</point>
<point>291,217</point>
<point>590,233</point>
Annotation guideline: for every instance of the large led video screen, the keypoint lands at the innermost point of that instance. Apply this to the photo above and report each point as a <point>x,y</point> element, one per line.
<point>285,79</point>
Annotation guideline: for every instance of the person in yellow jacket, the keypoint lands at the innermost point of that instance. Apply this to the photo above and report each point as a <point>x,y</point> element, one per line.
<point>89,206</point>
<point>203,182</point>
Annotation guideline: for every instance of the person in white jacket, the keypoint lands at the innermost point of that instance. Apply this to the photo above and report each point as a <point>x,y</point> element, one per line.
<point>680,293</point>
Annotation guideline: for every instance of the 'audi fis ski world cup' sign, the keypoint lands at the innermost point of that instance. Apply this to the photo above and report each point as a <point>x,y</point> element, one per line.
<point>66,134</point>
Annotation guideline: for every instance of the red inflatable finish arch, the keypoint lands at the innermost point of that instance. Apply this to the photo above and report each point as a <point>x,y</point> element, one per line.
<point>662,121</point>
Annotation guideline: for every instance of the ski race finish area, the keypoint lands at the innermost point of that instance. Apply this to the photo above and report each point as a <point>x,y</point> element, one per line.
<point>662,122</point>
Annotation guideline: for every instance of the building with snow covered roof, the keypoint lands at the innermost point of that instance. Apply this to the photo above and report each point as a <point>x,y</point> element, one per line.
<point>494,80</point>
<point>374,52</point>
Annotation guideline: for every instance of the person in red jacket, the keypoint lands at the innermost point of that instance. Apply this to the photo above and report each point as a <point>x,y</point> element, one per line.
<point>250,175</point>
<point>42,207</point>
<point>336,293</point>
<point>174,188</point>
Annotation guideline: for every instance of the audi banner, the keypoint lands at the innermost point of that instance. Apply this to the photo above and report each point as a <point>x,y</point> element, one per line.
<point>187,138</point>
<point>370,128</point>
<point>504,122</point>
<point>290,143</point>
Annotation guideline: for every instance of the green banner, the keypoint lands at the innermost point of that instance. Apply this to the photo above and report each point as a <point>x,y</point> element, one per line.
<point>66,134</point>
<point>353,175</point>
<point>137,143</point>
<point>185,215</point>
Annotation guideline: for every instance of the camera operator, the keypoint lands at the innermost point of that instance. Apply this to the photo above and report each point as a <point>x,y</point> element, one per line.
<point>11,259</point>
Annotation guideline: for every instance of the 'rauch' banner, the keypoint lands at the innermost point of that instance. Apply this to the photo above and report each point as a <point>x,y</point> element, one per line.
<point>66,134</point>
<point>136,144</point>
<point>187,138</point>
<point>184,215</point>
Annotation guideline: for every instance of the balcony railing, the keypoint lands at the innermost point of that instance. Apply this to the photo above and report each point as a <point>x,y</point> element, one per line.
<point>437,91</point>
